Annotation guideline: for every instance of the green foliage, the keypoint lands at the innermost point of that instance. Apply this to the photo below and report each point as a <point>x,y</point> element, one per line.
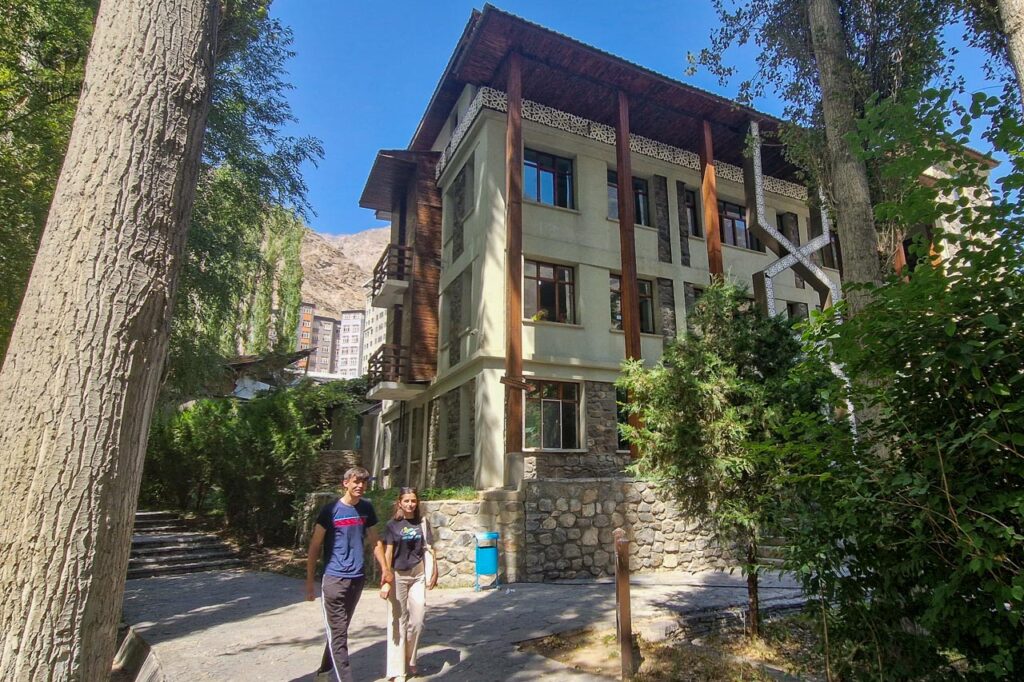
<point>242,274</point>
<point>913,532</point>
<point>42,58</point>
<point>711,408</point>
<point>250,460</point>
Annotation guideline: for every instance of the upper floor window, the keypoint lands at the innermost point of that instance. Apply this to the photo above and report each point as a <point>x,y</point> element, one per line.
<point>733,219</point>
<point>645,291</point>
<point>551,419</point>
<point>549,292</point>
<point>641,201</point>
<point>547,179</point>
<point>690,199</point>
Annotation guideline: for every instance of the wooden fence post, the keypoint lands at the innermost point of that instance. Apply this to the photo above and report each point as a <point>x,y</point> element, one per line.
<point>623,618</point>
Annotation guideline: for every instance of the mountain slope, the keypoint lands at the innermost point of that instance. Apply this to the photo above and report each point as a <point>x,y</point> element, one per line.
<point>336,267</point>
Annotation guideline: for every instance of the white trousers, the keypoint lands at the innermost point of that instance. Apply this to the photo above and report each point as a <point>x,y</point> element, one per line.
<point>407,602</point>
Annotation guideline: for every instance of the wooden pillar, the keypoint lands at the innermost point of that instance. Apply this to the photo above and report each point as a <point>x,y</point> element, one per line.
<point>627,240</point>
<point>514,258</point>
<point>709,200</point>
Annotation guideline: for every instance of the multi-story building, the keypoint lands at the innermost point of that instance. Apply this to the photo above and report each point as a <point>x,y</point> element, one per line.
<point>558,210</point>
<point>374,329</point>
<point>337,342</point>
<point>348,359</point>
<point>304,334</point>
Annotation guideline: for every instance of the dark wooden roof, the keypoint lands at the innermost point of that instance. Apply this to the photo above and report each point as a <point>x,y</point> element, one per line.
<point>391,171</point>
<point>571,76</point>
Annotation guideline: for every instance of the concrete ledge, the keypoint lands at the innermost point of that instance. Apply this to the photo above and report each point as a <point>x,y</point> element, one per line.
<point>135,661</point>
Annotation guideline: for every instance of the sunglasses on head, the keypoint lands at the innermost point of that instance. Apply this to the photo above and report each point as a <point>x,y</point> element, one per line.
<point>406,491</point>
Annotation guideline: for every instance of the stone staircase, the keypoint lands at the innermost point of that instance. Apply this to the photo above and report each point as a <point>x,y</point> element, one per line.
<point>163,545</point>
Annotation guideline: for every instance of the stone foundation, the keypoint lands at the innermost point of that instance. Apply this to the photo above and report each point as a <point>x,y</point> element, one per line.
<point>569,526</point>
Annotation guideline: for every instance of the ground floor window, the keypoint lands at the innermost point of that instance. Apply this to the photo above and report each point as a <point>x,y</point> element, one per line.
<point>552,416</point>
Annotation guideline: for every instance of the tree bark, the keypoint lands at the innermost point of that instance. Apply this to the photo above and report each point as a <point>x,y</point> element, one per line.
<point>855,223</point>
<point>80,378</point>
<point>1012,14</point>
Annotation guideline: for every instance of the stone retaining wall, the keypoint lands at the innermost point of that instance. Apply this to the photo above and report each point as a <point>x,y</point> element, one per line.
<point>569,527</point>
<point>454,525</point>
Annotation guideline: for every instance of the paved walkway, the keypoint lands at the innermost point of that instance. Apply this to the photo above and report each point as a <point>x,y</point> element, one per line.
<point>246,625</point>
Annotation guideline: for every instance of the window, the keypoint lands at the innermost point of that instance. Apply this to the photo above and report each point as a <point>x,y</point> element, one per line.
<point>645,291</point>
<point>733,219</point>
<point>552,416</point>
<point>549,292</point>
<point>690,199</point>
<point>547,179</point>
<point>641,202</point>
<point>796,311</point>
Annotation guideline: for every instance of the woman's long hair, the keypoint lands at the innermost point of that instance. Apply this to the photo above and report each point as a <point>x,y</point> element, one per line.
<point>397,514</point>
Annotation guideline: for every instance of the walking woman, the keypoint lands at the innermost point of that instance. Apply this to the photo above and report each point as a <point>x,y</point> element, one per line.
<point>410,556</point>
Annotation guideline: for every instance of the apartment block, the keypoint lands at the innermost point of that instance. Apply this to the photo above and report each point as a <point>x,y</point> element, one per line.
<point>557,211</point>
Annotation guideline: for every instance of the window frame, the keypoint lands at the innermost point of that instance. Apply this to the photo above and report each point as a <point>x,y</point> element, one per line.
<point>560,294</point>
<point>537,400</point>
<point>543,164</point>
<point>692,216</point>
<point>641,198</point>
<point>642,298</point>
<point>739,215</point>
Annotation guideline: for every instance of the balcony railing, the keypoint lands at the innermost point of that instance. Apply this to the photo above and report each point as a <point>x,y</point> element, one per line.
<point>391,275</point>
<point>387,370</point>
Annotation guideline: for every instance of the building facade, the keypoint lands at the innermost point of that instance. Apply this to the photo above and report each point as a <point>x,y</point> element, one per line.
<point>337,342</point>
<point>557,211</point>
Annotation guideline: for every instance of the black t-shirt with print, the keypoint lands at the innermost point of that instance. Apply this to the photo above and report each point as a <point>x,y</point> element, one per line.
<point>408,541</point>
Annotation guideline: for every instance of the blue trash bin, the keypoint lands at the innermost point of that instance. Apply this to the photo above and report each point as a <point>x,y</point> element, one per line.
<point>486,557</point>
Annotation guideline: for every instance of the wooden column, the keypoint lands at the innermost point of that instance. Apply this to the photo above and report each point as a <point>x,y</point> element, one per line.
<point>709,200</point>
<point>627,240</point>
<point>514,258</point>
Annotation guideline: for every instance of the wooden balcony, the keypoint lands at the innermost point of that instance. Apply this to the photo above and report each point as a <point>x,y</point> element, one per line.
<point>391,276</point>
<point>388,371</point>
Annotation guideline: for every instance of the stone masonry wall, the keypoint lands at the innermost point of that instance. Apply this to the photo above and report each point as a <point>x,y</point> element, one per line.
<point>569,526</point>
<point>454,525</point>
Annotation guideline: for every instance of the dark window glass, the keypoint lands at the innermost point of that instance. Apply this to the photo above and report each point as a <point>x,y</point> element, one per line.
<point>690,197</point>
<point>547,179</point>
<point>549,292</point>
<point>733,219</point>
<point>645,291</point>
<point>551,418</point>
<point>641,202</point>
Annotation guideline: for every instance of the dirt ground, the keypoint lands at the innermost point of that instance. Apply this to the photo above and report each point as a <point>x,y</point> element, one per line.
<point>788,650</point>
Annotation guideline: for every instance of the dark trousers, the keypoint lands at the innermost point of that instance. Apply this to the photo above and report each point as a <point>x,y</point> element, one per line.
<point>340,596</point>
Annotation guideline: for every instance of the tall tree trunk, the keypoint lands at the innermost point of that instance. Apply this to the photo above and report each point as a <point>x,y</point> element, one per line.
<point>1012,14</point>
<point>855,223</point>
<point>80,378</point>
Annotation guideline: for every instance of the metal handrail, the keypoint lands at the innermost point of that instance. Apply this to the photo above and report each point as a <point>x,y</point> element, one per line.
<point>394,263</point>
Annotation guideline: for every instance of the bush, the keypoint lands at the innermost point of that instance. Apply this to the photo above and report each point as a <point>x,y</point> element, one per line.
<point>248,460</point>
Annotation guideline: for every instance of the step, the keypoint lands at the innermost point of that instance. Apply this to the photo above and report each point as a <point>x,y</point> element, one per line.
<point>141,540</point>
<point>156,516</point>
<point>181,558</point>
<point>162,527</point>
<point>177,548</point>
<point>178,569</point>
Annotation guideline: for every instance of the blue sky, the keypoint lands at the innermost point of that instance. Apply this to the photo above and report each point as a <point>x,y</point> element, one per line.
<point>364,72</point>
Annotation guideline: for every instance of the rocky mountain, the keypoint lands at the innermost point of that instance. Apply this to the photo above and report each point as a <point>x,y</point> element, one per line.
<point>335,268</point>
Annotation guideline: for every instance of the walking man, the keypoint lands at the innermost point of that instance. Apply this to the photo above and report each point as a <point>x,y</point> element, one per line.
<point>343,529</point>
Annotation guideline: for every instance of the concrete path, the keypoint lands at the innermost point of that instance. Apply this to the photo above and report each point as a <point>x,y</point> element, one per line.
<point>245,625</point>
